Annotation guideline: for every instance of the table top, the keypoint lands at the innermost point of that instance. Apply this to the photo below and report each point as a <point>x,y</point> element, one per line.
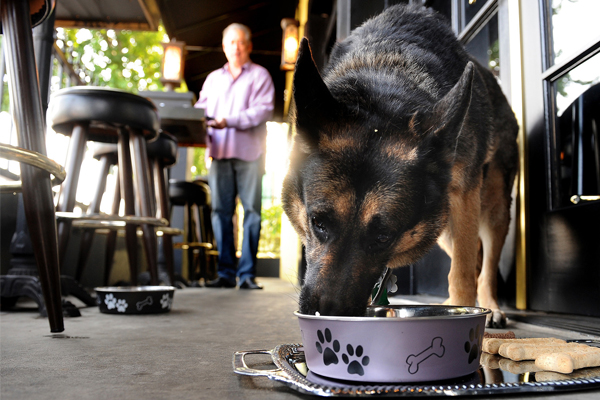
<point>179,117</point>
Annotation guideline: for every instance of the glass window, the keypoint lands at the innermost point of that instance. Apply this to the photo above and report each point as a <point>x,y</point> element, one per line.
<point>574,24</point>
<point>571,85</point>
<point>485,46</point>
<point>578,133</point>
<point>470,8</point>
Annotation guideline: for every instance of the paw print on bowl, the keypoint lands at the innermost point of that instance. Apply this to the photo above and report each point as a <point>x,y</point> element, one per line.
<point>110,301</point>
<point>121,305</point>
<point>472,345</point>
<point>354,361</point>
<point>329,356</point>
<point>165,301</point>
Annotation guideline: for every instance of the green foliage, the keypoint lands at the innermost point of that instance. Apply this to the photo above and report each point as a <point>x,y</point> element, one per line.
<point>199,162</point>
<point>128,60</point>
<point>270,233</point>
<point>5,98</point>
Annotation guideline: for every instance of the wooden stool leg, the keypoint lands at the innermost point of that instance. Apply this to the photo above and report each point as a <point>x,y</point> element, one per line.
<point>163,211</point>
<point>88,234</point>
<point>111,238</point>
<point>200,238</point>
<point>189,238</point>
<point>145,200</point>
<point>126,174</point>
<point>29,118</point>
<point>68,190</point>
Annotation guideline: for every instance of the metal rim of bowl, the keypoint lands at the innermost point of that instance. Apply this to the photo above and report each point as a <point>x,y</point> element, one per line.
<point>133,289</point>
<point>466,312</point>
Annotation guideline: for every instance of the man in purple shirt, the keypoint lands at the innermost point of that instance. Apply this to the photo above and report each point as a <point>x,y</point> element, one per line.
<point>240,99</point>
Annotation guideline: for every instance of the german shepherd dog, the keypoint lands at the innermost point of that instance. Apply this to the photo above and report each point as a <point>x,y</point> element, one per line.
<point>406,140</point>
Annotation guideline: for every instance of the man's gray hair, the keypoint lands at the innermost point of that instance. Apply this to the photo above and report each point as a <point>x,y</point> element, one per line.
<point>239,27</point>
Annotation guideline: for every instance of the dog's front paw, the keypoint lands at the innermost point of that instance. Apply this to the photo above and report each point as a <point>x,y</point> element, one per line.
<point>497,319</point>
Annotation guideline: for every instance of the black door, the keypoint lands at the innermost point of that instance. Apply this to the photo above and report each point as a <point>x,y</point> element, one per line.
<point>562,122</point>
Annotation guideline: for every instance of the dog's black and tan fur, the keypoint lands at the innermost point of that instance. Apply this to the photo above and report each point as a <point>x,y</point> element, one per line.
<point>405,141</point>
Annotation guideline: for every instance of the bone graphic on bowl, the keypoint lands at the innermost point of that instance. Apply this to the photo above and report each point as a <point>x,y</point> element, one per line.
<point>436,348</point>
<point>146,302</point>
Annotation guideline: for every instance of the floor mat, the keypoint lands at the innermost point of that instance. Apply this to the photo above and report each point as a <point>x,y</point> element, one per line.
<point>577,323</point>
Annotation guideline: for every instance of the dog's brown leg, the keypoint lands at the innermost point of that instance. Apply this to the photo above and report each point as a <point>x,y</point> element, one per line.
<point>463,238</point>
<point>495,219</point>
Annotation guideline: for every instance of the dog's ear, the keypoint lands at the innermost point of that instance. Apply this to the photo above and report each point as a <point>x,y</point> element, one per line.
<point>313,100</point>
<point>450,111</point>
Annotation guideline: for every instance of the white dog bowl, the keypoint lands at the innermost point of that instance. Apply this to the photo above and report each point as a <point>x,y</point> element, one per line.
<point>395,343</point>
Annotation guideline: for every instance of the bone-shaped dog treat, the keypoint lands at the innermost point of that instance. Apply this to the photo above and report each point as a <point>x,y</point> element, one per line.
<point>518,367</point>
<point>492,345</point>
<point>566,362</point>
<point>519,351</point>
<point>146,302</point>
<point>436,348</point>
<point>499,335</point>
<point>491,361</point>
<point>546,376</point>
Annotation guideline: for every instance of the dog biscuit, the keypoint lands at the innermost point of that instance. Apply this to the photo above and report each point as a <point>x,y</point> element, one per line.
<point>518,367</point>
<point>491,361</point>
<point>492,345</point>
<point>548,376</point>
<point>500,335</point>
<point>526,351</point>
<point>566,362</point>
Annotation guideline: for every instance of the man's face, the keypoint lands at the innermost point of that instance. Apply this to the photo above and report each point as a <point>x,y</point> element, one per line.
<point>237,49</point>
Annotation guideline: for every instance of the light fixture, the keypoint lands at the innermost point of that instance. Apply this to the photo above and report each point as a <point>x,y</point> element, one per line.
<point>289,52</point>
<point>172,64</point>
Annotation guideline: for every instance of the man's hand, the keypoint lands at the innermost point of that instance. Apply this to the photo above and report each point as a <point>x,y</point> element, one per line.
<point>218,123</point>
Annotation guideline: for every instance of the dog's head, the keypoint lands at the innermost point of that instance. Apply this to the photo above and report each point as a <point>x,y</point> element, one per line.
<point>364,190</point>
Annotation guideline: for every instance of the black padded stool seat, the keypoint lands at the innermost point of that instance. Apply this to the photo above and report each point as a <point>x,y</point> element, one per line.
<point>39,10</point>
<point>164,149</point>
<point>101,150</point>
<point>110,116</point>
<point>198,235</point>
<point>104,109</point>
<point>182,193</point>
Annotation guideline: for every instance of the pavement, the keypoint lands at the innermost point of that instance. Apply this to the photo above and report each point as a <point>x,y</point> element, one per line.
<point>184,354</point>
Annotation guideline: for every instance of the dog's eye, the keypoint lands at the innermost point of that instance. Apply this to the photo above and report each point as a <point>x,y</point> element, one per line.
<point>319,228</point>
<point>383,238</point>
<point>380,243</point>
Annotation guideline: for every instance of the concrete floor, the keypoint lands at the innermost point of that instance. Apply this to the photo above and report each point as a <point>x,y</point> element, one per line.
<point>184,354</point>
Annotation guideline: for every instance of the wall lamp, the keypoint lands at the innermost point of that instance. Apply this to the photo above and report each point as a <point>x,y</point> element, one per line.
<point>172,64</point>
<point>289,51</point>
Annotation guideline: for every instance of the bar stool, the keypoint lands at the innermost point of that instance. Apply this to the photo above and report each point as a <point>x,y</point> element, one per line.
<point>17,19</point>
<point>110,116</point>
<point>107,154</point>
<point>162,154</point>
<point>198,235</point>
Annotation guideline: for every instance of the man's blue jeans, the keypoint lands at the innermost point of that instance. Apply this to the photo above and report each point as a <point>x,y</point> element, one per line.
<point>227,179</point>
